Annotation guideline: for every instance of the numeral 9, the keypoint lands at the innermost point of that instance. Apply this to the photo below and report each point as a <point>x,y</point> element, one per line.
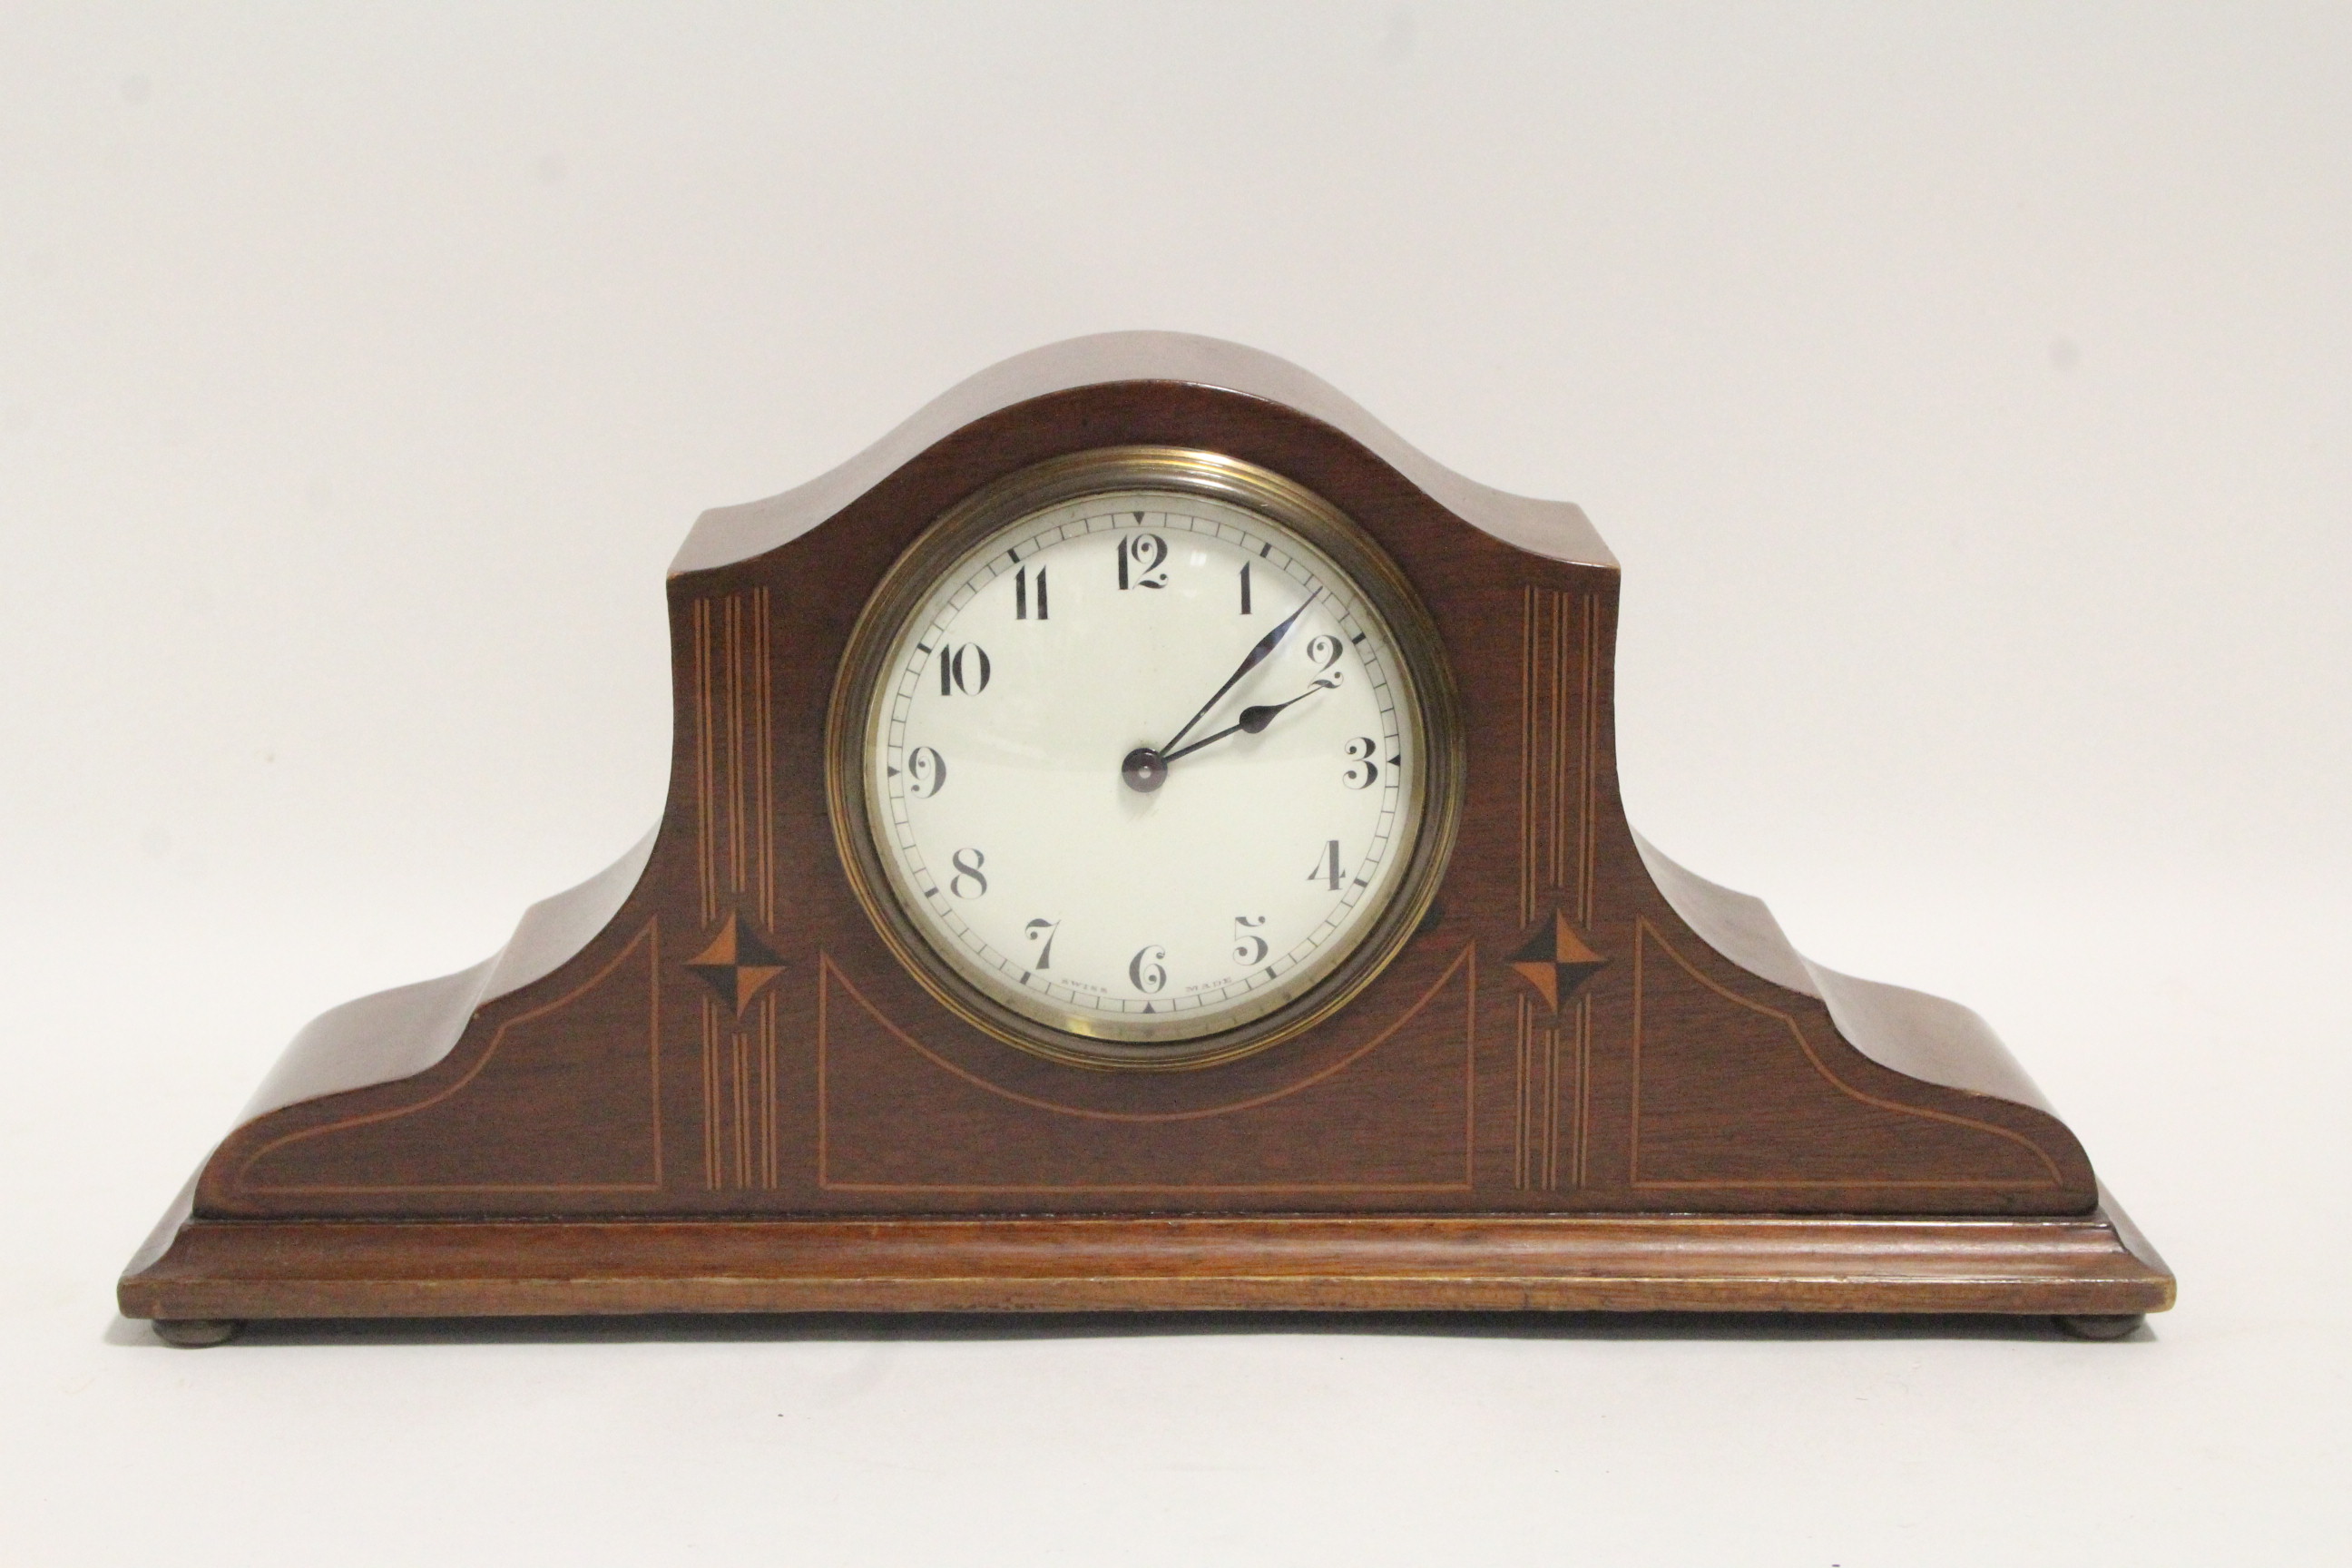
<point>927,773</point>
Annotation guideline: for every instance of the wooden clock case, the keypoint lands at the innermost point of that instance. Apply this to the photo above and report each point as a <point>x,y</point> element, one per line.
<point>700,1082</point>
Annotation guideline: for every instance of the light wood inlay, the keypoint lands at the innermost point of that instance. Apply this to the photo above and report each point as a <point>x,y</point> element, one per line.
<point>1559,656</point>
<point>735,839</point>
<point>836,992</point>
<point>644,950</point>
<point>1650,937</point>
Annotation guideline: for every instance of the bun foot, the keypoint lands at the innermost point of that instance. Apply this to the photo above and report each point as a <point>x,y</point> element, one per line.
<point>193,1333</point>
<point>2099,1325</point>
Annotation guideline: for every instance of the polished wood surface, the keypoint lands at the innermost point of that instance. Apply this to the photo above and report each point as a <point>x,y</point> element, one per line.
<point>328,1268</point>
<point>738,1044</point>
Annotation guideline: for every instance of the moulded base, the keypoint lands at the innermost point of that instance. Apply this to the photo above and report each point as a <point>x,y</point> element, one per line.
<point>2094,1265</point>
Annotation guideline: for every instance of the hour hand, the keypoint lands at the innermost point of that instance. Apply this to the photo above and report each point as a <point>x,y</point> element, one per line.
<point>1253,721</point>
<point>1256,719</point>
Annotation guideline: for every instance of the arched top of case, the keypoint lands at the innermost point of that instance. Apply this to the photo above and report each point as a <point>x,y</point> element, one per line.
<point>725,535</point>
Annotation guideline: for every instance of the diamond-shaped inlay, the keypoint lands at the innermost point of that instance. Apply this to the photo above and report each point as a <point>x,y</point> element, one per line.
<point>737,964</point>
<point>1556,961</point>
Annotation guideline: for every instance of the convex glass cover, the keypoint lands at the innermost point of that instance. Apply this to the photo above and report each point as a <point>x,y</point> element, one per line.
<point>1139,750</point>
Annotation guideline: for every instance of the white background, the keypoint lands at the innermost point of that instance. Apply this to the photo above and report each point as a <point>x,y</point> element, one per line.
<point>1965,389</point>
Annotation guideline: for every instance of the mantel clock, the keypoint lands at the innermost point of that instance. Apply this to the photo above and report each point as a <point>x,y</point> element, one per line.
<point>1143,837</point>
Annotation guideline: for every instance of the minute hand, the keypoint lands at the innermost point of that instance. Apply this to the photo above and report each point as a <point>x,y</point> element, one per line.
<point>1256,656</point>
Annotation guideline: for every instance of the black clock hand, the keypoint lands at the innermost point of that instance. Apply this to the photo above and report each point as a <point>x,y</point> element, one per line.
<point>1253,722</point>
<point>1256,656</point>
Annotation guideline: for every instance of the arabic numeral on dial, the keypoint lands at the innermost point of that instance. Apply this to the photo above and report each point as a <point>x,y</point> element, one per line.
<point>963,670</point>
<point>1245,601</point>
<point>927,773</point>
<point>1249,948</point>
<point>1324,651</point>
<point>968,881</point>
<point>1021,598</point>
<point>1043,931</point>
<point>1139,556</point>
<point>1148,971</point>
<point>1327,866</point>
<point>1364,772</point>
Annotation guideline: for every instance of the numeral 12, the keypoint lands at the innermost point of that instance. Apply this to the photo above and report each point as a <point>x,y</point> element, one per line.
<point>1140,555</point>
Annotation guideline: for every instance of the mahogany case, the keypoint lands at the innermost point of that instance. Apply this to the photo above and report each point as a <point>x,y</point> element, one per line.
<point>702,1081</point>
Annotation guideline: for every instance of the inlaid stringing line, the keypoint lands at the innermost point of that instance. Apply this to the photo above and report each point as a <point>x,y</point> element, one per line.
<point>1527,754</point>
<point>1520,1102</point>
<point>1551,1107</point>
<point>767,719</point>
<point>1533,1157</point>
<point>694,641</point>
<point>1561,853</point>
<point>1530,1052</point>
<point>735,743</point>
<point>1578,1036</point>
<point>1560,732</point>
<point>1583,1085</point>
<point>1591,829</point>
<point>710,1099</point>
<point>654,1035</point>
<point>768,1096</point>
<point>737,1045</point>
<point>711,772</point>
<point>1547,731</point>
<point>1530,609</point>
<point>1555,782</point>
<point>1586,876</point>
<point>1526,846</point>
<point>704,850</point>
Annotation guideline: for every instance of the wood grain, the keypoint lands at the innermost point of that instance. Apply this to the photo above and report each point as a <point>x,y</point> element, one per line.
<point>671,1107</point>
<point>327,1268</point>
<point>1671,1079</point>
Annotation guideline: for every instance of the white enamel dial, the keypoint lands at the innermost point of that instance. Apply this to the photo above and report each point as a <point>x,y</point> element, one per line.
<point>1078,813</point>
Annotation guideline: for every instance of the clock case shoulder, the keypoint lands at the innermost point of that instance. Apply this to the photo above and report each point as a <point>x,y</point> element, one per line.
<point>1524,594</point>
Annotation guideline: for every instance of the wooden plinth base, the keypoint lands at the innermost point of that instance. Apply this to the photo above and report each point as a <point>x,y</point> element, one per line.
<point>229,1271</point>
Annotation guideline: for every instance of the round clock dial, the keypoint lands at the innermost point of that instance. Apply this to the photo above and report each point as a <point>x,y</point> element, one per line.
<point>1143,758</point>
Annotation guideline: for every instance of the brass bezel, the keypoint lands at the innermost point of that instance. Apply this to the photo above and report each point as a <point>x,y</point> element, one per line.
<point>852,714</point>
